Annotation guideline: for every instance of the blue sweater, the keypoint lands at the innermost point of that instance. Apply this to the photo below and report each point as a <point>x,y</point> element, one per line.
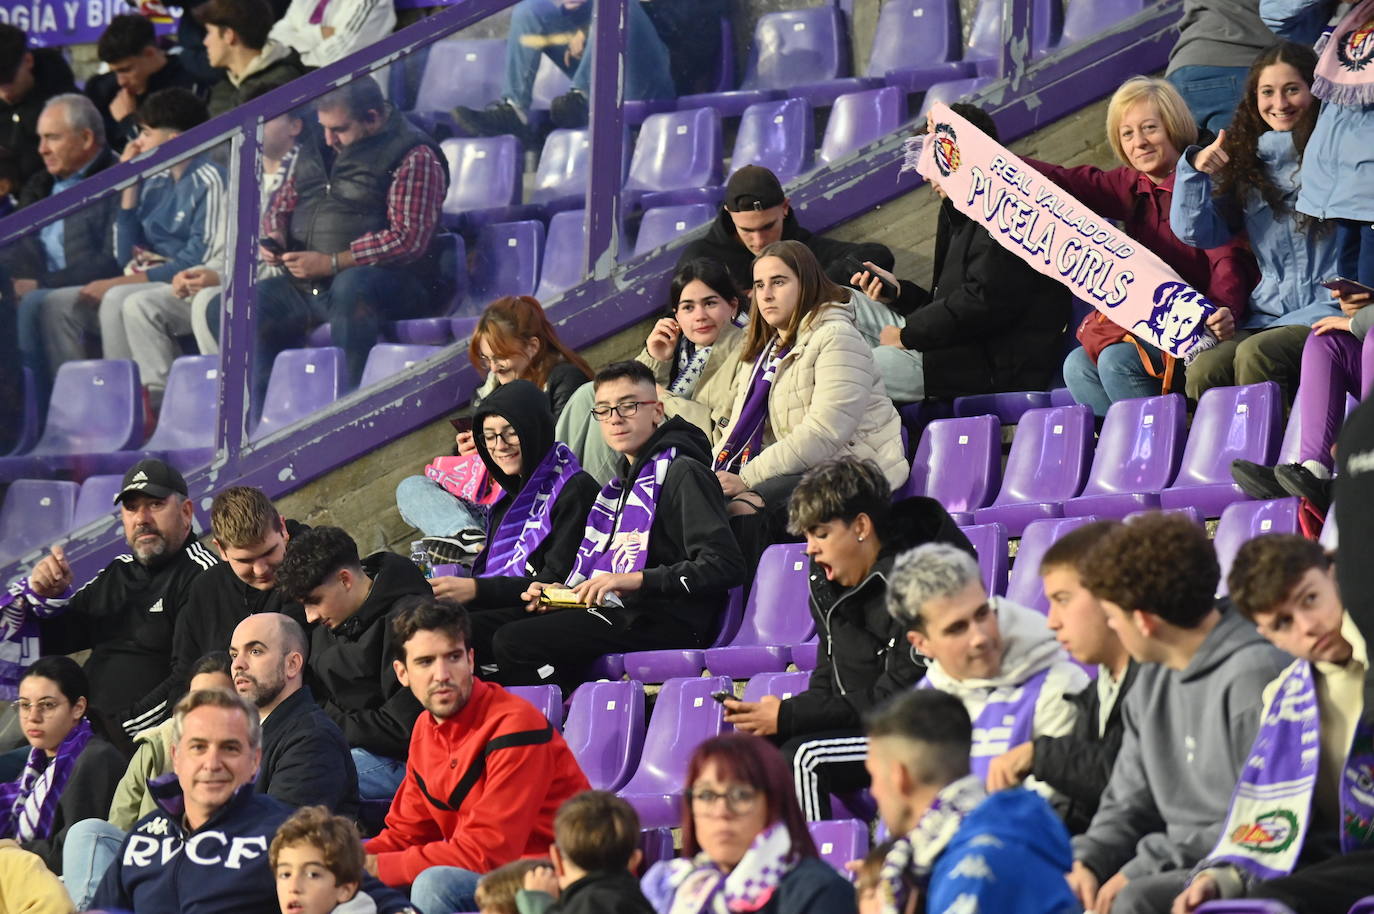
<point>182,219</point>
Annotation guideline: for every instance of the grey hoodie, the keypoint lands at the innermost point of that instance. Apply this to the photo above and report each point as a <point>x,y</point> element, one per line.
<point>1188,733</point>
<point>1219,33</point>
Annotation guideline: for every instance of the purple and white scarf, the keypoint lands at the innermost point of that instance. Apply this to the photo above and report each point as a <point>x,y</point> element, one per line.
<point>746,436</point>
<point>1271,807</point>
<point>699,887</point>
<point>691,362</point>
<point>908,865</point>
<point>1007,719</point>
<point>617,538</point>
<point>1345,70</point>
<point>28,805</point>
<point>530,516</point>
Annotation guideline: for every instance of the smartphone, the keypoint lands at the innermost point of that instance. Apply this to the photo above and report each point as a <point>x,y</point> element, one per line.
<point>461,424</point>
<point>854,265</point>
<point>1343,286</point>
<point>722,696</point>
<point>272,245</point>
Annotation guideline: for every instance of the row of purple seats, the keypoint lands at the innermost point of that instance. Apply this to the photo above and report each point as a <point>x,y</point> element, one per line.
<point>37,512</point>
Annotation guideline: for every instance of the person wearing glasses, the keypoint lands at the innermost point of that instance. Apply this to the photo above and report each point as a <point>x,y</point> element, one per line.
<point>656,558</point>
<point>745,843</point>
<point>71,771</point>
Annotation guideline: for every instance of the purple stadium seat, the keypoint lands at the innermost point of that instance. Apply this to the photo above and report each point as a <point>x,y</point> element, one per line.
<point>860,118</point>
<point>791,48</point>
<point>303,381</point>
<point>1245,520</point>
<point>484,186</point>
<point>1047,464</point>
<point>1246,906</point>
<point>1007,407</point>
<point>430,331</point>
<point>35,513</point>
<point>1231,423</point>
<point>1060,396</point>
<point>839,841</point>
<point>660,665</point>
<point>777,135</point>
<point>387,359</point>
<point>804,654</point>
<point>959,463</point>
<point>459,72</point>
<point>1086,19</point>
<point>547,698</point>
<point>549,82</point>
<point>1363,906</point>
<point>685,715</point>
<point>1137,456</point>
<point>1330,536</point>
<point>96,499</point>
<point>783,685</point>
<point>564,251</point>
<point>952,91</point>
<point>776,617</point>
<point>462,327</point>
<point>506,262</point>
<point>916,416</point>
<point>656,844</point>
<point>1187,511</point>
<point>94,415</point>
<point>664,224</point>
<point>982,54</point>
<point>1024,586</point>
<point>990,542</point>
<point>185,433</point>
<point>677,159</point>
<point>605,730</point>
<point>560,181</point>
<point>28,431</point>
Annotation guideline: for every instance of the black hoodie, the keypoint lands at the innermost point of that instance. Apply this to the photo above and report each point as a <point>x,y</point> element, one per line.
<point>19,122</point>
<point>526,408</point>
<point>354,681</point>
<point>863,656</point>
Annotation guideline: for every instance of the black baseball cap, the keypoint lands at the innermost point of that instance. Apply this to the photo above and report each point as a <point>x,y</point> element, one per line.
<point>753,187</point>
<point>153,478</point>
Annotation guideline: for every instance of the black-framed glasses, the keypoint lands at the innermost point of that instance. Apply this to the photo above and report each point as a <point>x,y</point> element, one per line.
<point>624,410</point>
<point>738,800</point>
<point>44,707</point>
<point>509,436</point>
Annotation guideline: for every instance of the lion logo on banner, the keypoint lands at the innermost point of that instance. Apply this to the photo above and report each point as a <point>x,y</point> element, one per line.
<point>1355,49</point>
<point>1179,314</point>
<point>947,157</point>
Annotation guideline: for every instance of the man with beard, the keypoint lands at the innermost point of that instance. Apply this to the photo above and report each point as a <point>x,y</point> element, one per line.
<point>305,760</point>
<point>125,614</point>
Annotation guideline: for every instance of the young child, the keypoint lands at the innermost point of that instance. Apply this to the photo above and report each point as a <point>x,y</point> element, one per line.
<point>317,860</point>
<point>496,890</point>
<point>868,883</point>
<point>595,850</point>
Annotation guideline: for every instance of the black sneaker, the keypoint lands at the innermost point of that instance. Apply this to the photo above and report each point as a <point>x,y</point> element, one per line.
<point>459,549</point>
<point>1298,480</point>
<point>497,119</point>
<point>1256,480</point>
<point>569,110</point>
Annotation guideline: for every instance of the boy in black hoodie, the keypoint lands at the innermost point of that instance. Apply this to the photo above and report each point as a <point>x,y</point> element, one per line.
<point>595,850</point>
<point>657,556</point>
<point>513,431</point>
<point>352,600</point>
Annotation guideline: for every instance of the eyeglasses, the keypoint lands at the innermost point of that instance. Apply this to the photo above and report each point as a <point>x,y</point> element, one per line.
<point>44,707</point>
<point>509,436</point>
<point>738,800</point>
<point>624,410</point>
<point>489,364</point>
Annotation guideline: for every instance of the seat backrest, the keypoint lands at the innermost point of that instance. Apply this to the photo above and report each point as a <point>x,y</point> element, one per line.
<point>990,542</point>
<point>29,425</point>
<point>1139,447</point>
<point>1049,455</point>
<point>564,250</point>
<point>96,406</point>
<point>1188,511</point>
<point>958,462</point>
<point>783,685</point>
<point>663,224</point>
<point>1245,520</point>
<point>605,730</point>
<point>96,499</point>
<point>387,359</point>
<point>549,83</point>
<point>677,150</point>
<point>860,118</point>
<point>731,617</point>
<point>685,715</point>
<point>563,166</point>
<point>187,418</point>
<point>778,611</point>
<point>1024,585</point>
<point>777,135</point>
<point>35,512</point>
<point>1231,423</point>
<point>915,33</point>
<point>1086,19</point>
<point>839,841</point>
<point>793,47</point>
<point>483,172</point>
<point>547,698</point>
<point>985,38</point>
<point>302,382</point>
<point>1256,906</point>
<point>464,72</point>
<point>506,261</point>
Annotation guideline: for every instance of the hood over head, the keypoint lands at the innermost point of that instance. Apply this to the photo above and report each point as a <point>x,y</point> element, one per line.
<point>527,409</point>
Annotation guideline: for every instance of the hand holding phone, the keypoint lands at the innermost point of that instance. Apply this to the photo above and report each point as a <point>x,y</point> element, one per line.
<point>557,597</point>
<point>1343,287</point>
<point>723,696</point>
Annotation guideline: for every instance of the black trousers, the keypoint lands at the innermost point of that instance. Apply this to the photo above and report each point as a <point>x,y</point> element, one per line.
<point>826,763</point>
<point>1329,887</point>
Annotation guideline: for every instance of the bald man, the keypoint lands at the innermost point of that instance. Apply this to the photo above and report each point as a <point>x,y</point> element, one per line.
<point>305,759</point>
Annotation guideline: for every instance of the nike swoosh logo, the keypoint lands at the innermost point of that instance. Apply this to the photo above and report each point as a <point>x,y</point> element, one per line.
<point>683,579</point>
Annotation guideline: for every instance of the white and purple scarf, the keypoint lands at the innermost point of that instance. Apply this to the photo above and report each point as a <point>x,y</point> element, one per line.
<point>28,805</point>
<point>746,437</point>
<point>699,887</point>
<point>908,865</point>
<point>530,516</point>
<point>617,537</point>
<point>1345,70</point>
<point>1006,720</point>
<point>690,363</point>
<point>1271,807</point>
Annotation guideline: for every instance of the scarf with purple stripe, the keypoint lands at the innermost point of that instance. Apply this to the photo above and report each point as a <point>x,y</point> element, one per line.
<point>1345,70</point>
<point>1007,719</point>
<point>529,518</point>
<point>28,805</point>
<point>1271,807</point>
<point>908,865</point>
<point>698,886</point>
<point>617,538</point>
<point>746,437</point>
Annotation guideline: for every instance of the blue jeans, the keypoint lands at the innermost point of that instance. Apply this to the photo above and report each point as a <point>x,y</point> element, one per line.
<point>429,508</point>
<point>1212,93</point>
<point>91,846</point>
<point>442,889</point>
<point>378,777</point>
<point>31,352</point>
<point>1118,375</point>
<point>1355,241</point>
<point>647,72</point>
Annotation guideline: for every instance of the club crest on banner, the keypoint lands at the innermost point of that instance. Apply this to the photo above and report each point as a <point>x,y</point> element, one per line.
<point>946,145</point>
<point>1355,49</point>
<point>1270,833</point>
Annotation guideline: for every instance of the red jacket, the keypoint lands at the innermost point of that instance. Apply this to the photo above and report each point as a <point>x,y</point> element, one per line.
<point>1225,274</point>
<point>517,771</point>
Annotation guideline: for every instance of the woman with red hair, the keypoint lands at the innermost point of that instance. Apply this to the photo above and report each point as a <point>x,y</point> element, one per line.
<point>514,339</point>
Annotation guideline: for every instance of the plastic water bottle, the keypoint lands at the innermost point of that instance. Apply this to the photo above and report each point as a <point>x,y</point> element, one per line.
<point>420,556</point>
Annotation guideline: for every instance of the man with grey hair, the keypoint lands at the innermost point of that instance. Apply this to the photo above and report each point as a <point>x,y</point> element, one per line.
<point>956,847</point>
<point>305,760</point>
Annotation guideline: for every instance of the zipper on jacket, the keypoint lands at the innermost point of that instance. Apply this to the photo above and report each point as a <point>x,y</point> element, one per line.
<point>829,638</point>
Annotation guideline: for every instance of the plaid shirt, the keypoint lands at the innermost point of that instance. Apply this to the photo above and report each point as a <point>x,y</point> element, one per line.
<point>413,204</point>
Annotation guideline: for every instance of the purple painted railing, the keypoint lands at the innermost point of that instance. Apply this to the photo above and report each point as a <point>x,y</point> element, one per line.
<point>1030,95</point>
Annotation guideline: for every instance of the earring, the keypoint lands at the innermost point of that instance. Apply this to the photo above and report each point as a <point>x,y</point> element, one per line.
<point>860,537</point>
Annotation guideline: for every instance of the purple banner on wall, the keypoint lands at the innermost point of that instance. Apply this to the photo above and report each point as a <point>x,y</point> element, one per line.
<point>53,23</point>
